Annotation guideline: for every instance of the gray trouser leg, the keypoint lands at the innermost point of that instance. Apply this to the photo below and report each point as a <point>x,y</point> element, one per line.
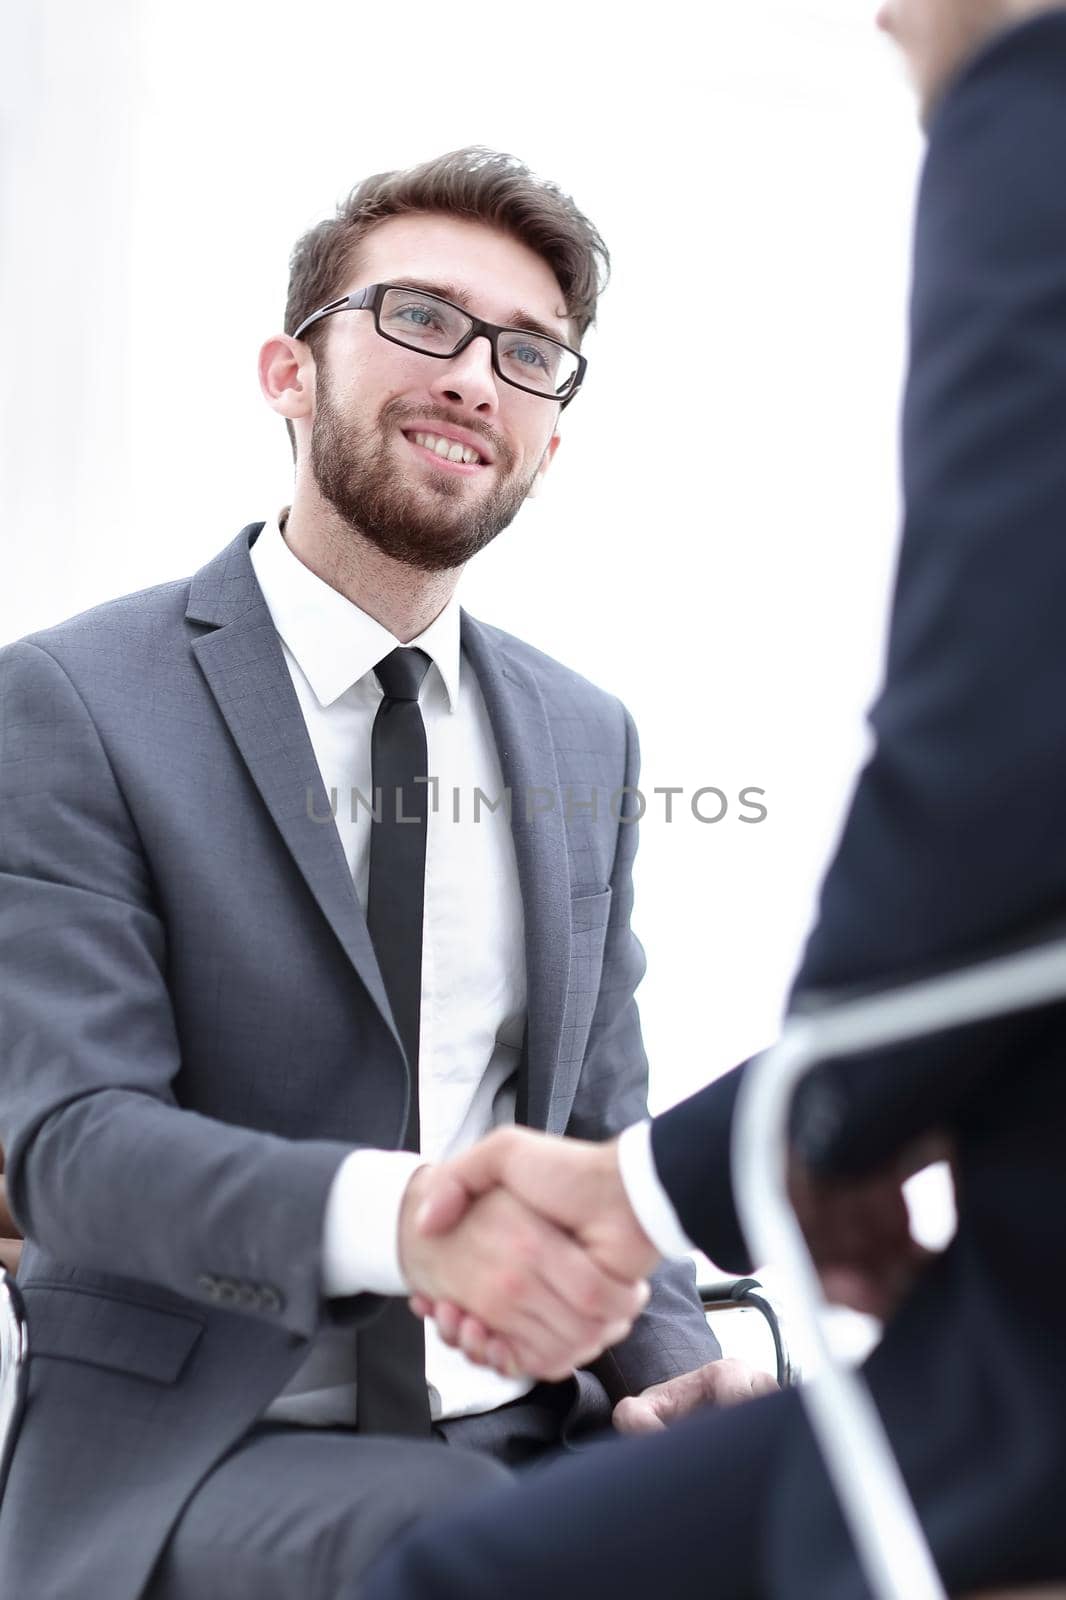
<point>299,1514</point>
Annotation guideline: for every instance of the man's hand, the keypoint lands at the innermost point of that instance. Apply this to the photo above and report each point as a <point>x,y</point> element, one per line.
<point>551,1307</point>
<point>938,40</point>
<point>858,1231</point>
<point>575,1184</point>
<point>718,1383</point>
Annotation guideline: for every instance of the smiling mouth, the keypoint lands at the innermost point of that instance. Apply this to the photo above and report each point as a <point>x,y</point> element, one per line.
<point>447,454</point>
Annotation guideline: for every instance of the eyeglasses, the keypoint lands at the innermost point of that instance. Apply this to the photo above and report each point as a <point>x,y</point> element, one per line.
<point>435,327</point>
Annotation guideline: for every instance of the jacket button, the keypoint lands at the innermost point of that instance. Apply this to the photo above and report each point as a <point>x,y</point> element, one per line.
<point>247,1295</point>
<point>228,1292</point>
<point>208,1285</point>
<point>269,1298</point>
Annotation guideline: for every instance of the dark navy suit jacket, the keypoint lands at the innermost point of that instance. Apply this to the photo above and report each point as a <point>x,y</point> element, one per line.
<point>955,846</point>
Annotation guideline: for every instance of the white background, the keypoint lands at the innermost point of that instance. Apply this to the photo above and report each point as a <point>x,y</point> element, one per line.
<point>715,541</point>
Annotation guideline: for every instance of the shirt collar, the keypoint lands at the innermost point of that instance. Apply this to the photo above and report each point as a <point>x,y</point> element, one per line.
<point>333,641</point>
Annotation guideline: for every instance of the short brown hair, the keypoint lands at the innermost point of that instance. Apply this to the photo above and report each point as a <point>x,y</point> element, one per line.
<point>486,185</point>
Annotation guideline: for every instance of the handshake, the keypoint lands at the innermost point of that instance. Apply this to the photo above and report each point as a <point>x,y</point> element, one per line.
<point>526,1252</point>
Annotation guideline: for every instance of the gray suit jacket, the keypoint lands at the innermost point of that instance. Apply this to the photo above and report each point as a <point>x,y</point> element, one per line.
<point>194,1033</point>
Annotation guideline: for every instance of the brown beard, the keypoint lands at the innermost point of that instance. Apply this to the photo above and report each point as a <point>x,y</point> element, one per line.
<point>431,527</point>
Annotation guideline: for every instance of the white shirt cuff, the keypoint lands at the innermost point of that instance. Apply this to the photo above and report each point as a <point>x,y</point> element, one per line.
<point>645,1193</point>
<point>360,1236</point>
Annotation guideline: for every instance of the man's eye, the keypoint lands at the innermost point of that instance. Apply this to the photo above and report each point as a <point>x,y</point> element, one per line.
<point>419,316</point>
<point>529,355</point>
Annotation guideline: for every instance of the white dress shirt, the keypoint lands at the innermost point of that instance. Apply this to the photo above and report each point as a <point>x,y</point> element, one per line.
<point>473,999</point>
<point>473,956</point>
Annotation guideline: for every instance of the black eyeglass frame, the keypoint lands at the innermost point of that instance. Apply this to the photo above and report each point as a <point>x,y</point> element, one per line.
<point>371,298</point>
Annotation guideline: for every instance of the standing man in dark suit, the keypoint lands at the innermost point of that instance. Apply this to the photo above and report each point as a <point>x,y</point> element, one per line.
<point>309,879</point>
<point>954,848</point>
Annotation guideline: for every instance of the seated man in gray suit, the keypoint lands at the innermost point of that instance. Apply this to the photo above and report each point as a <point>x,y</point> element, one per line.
<point>296,901</point>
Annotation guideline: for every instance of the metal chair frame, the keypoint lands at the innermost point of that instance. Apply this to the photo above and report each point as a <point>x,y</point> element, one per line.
<point>865,1474</point>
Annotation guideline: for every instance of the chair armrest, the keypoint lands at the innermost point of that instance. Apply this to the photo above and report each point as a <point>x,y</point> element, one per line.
<point>731,1294</point>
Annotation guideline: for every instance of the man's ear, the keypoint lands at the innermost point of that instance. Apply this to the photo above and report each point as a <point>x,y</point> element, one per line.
<point>545,462</point>
<point>287,376</point>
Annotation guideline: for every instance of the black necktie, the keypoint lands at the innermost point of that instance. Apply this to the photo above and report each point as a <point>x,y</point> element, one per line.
<point>391,1394</point>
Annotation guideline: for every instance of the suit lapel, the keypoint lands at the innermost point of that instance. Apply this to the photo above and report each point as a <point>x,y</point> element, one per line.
<point>245,669</point>
<point>526,751</point>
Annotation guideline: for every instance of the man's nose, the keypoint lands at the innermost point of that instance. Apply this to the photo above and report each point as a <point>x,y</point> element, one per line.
<point>469,379</point>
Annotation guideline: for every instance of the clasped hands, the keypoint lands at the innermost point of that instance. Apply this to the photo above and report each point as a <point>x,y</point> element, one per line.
<point>526,1252</point>
<point>528,1255</point>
